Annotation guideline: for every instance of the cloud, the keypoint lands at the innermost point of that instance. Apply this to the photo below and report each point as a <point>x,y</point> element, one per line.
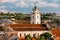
<point>46,4</point>
<point>2,7</point>
<point>21,4</point>
<point>53,5</point>
<point>4,11</point>
<point>27,3</point>
<point>56,0</point>
<point>40,3</point>
<point>17,5</point>
<point>34,0</point>
<point>7,0</point>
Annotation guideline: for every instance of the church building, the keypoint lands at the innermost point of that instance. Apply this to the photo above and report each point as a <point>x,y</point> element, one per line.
<point>34,28</point>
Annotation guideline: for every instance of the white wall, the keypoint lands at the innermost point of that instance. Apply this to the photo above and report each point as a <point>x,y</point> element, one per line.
<point>31,33</point>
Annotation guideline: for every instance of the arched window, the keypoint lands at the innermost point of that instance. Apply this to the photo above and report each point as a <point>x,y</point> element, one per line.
<point>37,16</point>
<point>24,34</point>
<point>37,13</point>
<point>33,23</point>
<point>33,16</point>
<point>20,35</point>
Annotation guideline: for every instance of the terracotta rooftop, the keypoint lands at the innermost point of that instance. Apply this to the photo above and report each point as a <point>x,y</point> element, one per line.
<point>57,38</point>
<point>29,27</point>
<point>56,32</point>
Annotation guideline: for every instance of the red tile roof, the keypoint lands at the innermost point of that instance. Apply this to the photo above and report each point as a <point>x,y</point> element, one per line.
<point>28,27</point>
<point>25,25</point>
<point>56,32</point>
<point>57,38</point>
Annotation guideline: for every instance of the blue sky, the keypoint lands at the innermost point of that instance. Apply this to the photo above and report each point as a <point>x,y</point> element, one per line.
<point>26,6</point>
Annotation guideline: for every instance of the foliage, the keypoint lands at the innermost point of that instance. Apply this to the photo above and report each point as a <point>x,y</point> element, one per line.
<point>1,29</point>
<point>46,35</point>
<point>21,16</point>
<point>47,16</point>
<point>56,21</point>
<point>42,38</point>
<point>28,37</point>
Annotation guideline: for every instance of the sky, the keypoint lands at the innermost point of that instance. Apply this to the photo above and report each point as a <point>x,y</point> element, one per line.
<point>26,6</point>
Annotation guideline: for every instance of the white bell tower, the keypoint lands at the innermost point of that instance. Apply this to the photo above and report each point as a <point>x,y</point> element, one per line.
<point>35,16</point>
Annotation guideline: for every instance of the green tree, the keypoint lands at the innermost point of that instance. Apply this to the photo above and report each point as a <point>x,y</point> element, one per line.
<point>28,37</point>
<point>1,29</point>
<point>42,38</point>
<point>46,35</point>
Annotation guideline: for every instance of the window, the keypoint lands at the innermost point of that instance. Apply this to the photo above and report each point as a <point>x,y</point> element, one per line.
<point>37,16</point>
<point>37,13</point>
<point>32,13</point>
<point>33,23</point>
<point>33,16</point>
<point>20,35</point>
<point>24,34</point>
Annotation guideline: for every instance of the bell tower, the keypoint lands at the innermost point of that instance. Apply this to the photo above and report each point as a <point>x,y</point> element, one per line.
<point>35,16</point>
